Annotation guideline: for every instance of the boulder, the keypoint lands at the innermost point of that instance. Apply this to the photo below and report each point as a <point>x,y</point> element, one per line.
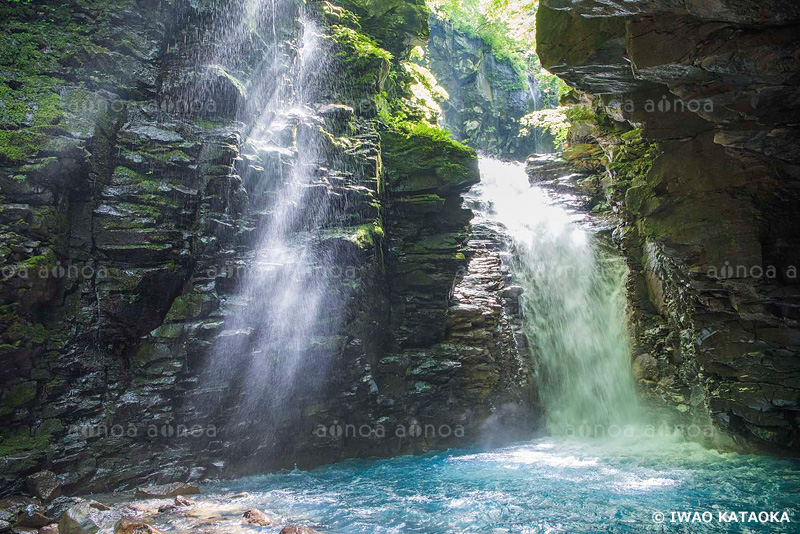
<point>33,517</point>
<point>183,501</point>
<point>132,525</point>
<point>44,485</point>
<point>49,529</point>
<point>82,518</point>
<point>295,529</point>
<point>541,167</point>
<point>60,505</point>
<point>11,507</point>
<point>166,491</point>
<point>258,518</point>
<point>645,367</point>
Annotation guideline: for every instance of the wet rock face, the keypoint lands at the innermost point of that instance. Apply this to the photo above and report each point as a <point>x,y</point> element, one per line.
<point>487,96</point>
<point>706,185</point>
<point>134,212</point>
<point>43,485</point>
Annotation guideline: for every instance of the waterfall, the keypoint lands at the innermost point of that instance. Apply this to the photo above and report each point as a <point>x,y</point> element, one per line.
<point>282,322</point>
<point>573,305</point>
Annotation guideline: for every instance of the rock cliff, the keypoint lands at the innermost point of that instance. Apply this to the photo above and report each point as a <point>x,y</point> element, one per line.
<point>487,95</point>
<point>134,187</point>
<point>686,120</point>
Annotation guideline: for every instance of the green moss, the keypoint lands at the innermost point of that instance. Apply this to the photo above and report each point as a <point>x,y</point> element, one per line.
<point>128,173</point>
<point>237,83</point>
<point>209,124</point>
<point>355,41</point>
<point>19,395</point>
<point>391,23</point>
<point>633,159</point>
<point>25,334</point>
<point>188,306</point>
<point>171,156</point>
<point>18,145</point>
<point>22,440</point>
<point>364,235</point>
<point>419,158</point>
<point>422,199</point>
<point>36,262</point>
<point>141,246</point>
<point>367,235</point>
<point>365,67</point>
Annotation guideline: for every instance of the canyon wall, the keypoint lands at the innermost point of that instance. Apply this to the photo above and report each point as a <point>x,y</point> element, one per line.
<point>133,192</point>
<point>685,120</point>
<point>488,96</point>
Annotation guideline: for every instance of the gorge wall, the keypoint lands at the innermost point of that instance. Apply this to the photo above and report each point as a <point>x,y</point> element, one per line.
<point>488,96</point>
<point>685,120</point>
<point>133,189</point>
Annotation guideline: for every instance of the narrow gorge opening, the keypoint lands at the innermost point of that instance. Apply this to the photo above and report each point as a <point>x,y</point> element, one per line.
<point>350,266</point>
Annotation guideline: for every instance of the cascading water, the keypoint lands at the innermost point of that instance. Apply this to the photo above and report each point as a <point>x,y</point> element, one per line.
<point>573,305</point>
<point>282,321</point>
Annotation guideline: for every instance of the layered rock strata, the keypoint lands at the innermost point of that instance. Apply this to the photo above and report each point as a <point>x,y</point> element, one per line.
<point>134,192</point>
<point>692,125</point>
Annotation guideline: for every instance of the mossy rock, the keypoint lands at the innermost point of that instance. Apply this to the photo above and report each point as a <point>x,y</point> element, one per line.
<point>396,25</point>
<point>425,160</point>
<point>190,306</point>
<point>364,65</point>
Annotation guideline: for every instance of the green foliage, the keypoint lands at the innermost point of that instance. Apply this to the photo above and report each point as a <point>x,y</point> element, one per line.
<point>581,113</point>
<point>426,93</point>
<point>508,28</point>
<point>361,44</point>
<point>553,121</point>
<point>632,158</point>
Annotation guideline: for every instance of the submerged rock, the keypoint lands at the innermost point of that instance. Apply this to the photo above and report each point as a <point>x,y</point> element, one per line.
<point>183,501</point>
<point>128,525</point>
<point>82,518</point>
<point>257,517</point>
<point>33,516</point>
<point>166,491</point>
<point>295,529</point>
